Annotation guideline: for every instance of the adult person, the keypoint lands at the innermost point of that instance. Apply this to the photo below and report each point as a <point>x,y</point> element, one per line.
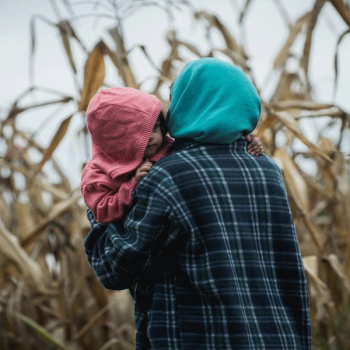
<point>210,242</point>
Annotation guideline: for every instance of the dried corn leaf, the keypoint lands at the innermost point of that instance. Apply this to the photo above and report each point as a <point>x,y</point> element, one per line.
<point>24,217</point>
<point>289,122</point>
<point>167,65</point>
<point>93,319</point>
<point>311,267</point>
<point>285,89</point>
<point>5,209</point>
<point>336,62</point>
<point>319,293</point>
<point>298,192</point>
<point>38,204</point>
<point>56,140</point>
<point>190,47</point>
<point>65,182</point>
<point>11,249</point>
<point>244,11</point>
<point>347,258</point>
<point>112,55</point>
<point>125,70</point>
<point>41,331</point>
<point>265,124</point>
<point>67,32</point>
<point>147,55</point>
<point>332,113</point>
<point>294,178</point>
<point>234,56</point>
<point>171,38</point>
<point>335,264</point>
<point>17,110</point>
<point>316,187</point>
<point>57,210</point>
<point>343,11</point>
<point>308,105</point>
<point>230,41</point>
<point>304,63</point>
<point>94,75</point>
<point>116,341</point>
<point>44,186</point>
<point>283,54</point>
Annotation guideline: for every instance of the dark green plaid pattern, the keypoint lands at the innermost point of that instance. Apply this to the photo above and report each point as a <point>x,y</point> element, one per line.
<point>210,245</point>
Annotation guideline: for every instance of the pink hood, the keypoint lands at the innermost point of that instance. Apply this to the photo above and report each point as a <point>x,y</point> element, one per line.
<point>120,121</point>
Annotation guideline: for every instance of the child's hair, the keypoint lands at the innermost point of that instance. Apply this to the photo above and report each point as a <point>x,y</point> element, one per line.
<point>161,119</point>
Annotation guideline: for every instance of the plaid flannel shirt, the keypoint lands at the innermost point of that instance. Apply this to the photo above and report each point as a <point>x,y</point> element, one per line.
<point>211,246</point>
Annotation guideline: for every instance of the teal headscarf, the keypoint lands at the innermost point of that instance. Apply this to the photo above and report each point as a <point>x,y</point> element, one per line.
<point>212,102</point>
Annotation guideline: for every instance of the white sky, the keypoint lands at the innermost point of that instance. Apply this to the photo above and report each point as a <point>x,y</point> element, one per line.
<point>265,32</point>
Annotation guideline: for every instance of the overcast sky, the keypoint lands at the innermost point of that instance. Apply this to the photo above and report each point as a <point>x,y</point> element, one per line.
<point>265,32</point>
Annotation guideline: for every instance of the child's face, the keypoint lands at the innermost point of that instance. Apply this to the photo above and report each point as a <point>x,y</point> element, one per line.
<point>155,141</point>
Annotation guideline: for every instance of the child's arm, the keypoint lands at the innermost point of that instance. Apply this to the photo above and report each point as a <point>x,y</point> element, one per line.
<point>255,146</point>
<point>108,204</point>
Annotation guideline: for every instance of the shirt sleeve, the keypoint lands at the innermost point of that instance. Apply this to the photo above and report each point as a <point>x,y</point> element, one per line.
<point>108,204</point>
<point>120,253</point>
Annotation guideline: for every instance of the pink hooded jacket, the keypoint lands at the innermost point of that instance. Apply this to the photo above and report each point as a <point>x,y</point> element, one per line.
<point>120,121</point>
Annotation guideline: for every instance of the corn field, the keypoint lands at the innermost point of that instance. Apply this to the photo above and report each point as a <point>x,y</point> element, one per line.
<point>49,295</point>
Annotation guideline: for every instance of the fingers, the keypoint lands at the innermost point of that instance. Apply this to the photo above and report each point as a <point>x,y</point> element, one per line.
<point>140,175</point>
<point>255,147</point>
<point>146,166</point>
<point>142,171</point>
<point>252,140</point>
<point>143,174</point>
<point>256,150</point>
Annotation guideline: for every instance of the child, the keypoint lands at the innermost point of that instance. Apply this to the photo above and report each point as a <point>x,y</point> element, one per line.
<point>128,135</point>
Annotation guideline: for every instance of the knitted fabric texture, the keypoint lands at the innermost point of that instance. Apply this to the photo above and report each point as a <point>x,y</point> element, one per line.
<point>120,122</point>
<point>212,102</point>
